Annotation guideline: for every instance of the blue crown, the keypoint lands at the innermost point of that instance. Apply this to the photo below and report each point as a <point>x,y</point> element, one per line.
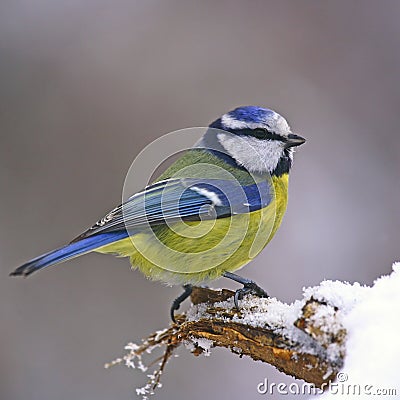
<point>252,114</point>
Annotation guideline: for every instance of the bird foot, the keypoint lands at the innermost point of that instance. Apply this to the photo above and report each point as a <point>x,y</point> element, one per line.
<point>179,300</point>
<point>248,288</point>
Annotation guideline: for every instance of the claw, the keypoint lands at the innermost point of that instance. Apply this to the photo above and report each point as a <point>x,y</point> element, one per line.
<point>249,287</point>
<point>238,296</point>
<point>179,300</point>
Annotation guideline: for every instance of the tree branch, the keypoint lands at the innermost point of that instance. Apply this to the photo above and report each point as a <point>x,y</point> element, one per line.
<point>305,339</point>
<point>301,350</point>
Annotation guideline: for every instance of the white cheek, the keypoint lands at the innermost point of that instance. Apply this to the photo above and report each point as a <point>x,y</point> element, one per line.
<point>253,154</point>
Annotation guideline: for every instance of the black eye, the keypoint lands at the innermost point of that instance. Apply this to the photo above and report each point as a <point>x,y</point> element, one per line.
<point>259,133</point>
<point>263,133</point>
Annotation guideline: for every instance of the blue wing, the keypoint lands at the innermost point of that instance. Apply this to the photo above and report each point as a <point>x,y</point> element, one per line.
<point>166,201</point>
<point>184,199</point>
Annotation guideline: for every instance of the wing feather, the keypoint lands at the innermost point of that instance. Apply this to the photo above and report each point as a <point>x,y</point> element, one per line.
<point>187,199</point>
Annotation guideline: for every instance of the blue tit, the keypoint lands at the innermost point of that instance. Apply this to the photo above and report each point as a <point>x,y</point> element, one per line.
<point>209,214</point>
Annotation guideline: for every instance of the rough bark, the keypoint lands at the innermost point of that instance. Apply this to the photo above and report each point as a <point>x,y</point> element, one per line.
<point>211,321</point>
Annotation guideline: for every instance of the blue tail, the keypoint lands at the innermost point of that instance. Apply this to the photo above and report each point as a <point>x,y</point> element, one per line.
<point>69,251</point>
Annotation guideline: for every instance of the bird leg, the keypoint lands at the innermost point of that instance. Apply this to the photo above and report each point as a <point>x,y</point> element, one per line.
<point>249,286</point>
<point>179,300</point>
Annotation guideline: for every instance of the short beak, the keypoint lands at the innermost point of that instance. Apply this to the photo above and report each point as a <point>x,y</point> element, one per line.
<point>294,140</point>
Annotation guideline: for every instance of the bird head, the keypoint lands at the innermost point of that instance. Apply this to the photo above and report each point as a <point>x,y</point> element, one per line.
<point>258,139</point>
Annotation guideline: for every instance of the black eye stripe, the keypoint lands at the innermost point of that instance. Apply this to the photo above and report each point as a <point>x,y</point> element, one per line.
<point>260,133</point>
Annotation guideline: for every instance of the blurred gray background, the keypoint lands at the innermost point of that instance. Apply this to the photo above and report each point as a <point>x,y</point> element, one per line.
<point>86,85</point>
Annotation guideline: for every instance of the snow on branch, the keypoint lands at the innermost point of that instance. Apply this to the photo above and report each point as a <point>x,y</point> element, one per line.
<point>307,339</point>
